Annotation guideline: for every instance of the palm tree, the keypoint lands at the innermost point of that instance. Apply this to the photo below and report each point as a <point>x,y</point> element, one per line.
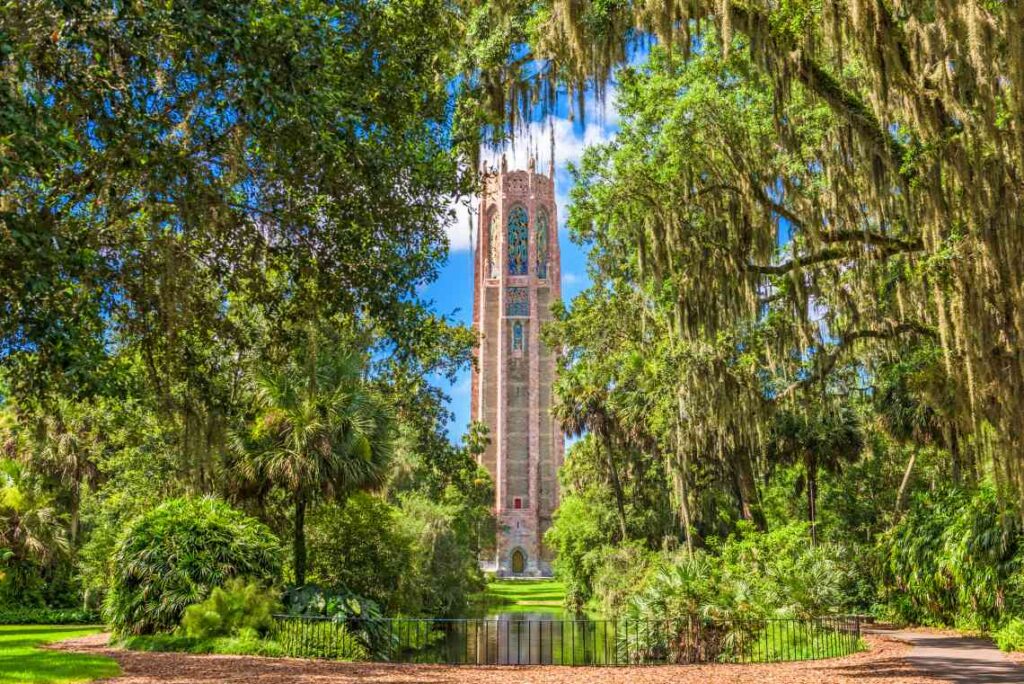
<point>30,529</point>
<point>582,406</point>
<point>822,439</point>
<point>317,431</point>
<point>66,453</point>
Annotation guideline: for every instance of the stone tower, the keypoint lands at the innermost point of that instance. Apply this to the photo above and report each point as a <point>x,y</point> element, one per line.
<point>516,278</point>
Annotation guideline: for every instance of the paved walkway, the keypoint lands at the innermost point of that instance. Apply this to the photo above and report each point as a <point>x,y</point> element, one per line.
<point>956,659</point>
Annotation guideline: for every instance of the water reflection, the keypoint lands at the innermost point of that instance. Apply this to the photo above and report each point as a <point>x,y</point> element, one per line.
<point>538,636</point>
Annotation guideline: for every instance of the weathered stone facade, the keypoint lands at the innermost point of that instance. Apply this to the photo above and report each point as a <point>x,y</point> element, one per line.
<point>517,276</point>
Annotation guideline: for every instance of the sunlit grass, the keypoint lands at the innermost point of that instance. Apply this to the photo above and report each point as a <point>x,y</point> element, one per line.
<point>522,592</point>
<point>23,662</point>
<point>786,641</point>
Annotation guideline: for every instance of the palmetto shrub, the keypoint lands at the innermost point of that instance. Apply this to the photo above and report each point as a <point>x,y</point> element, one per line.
<point>955,559</point>
<point>173,557</point>
<point>714,606</point>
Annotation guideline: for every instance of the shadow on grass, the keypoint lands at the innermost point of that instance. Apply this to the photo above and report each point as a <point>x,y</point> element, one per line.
<point>40,666</point>
<point>51,632</point>
<point>23,661</point>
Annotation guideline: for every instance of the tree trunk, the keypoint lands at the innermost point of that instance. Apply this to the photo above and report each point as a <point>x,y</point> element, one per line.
<point>811,471</point>
<point>75,506</point>
<point>750,508</point>
<point>684,509</point>
<point>901,495</point>
<point>683,464</point>
<point>613,473</point>
<point>300,540</point>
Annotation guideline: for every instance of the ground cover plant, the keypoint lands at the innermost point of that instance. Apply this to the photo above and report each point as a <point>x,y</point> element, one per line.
<point>49,616</point>
<point>23,662</point>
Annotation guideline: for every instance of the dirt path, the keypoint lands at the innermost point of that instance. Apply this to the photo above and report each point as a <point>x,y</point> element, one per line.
<point>951,658</point>
<point>885,663</point>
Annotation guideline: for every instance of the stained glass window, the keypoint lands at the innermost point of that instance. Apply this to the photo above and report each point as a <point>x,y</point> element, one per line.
<point>518,241</point>
<point>541,241</point>
<point>493,235</point>
<point>517,302</point>
<point>517,337</point>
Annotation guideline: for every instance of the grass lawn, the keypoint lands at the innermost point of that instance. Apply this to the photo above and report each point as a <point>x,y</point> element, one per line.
<point>22,662</point>
<point>526,592</point>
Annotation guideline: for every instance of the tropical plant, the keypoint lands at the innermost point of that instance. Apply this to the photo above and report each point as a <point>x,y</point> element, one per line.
<point>317,430</point>
<point>66,451</point>
<point>955,558</point>
<point>1010,637</point>
<point>827,440</point>
<point>32,535</point>
<point>236,607</point>
<point>175,555</point>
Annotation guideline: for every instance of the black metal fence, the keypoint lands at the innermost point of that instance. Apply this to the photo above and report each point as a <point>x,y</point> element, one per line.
<point>532,641</point>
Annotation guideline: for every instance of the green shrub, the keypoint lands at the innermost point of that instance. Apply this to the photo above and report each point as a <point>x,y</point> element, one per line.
<point>231,609</point>
<point>173,557</point>
<point>358,546</point>
<point>955,559</point>
<point>443,571</point>
<point>1010,637</point>
<point>48,616</point>
<point>753,575</point>
<point>246,643</point>
<point>577,536</point>
<point>619,570</point>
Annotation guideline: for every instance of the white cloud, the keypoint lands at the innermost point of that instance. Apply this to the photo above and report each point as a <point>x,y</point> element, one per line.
<point>571,278</point>
<point>462,223</point>
<point>570,141</point>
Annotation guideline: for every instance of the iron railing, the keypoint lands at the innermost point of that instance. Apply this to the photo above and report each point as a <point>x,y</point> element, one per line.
<point>534,641</point>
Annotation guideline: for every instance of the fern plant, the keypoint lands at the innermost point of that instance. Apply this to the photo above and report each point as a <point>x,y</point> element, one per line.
<point>239,607</point>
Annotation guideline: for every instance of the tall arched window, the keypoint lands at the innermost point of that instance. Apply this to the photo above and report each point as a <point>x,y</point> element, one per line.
<point>541,241</point>
<point>518,241</point>
<point>493,235</point>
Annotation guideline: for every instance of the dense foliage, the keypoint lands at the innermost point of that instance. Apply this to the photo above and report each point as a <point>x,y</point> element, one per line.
<point>956,559</point>
<point>847,172</point>
<point>176,555</point>
<point>796,378</point>
<point>216,223</point>
<point>785,322</point>
<point>237,608</point>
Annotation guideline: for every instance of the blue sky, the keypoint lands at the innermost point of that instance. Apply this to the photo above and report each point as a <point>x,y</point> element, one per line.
<point>452,292</point>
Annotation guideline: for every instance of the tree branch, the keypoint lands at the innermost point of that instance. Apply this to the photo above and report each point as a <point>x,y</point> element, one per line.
<point>887,246</point>
<point>890,330</point>
<point>888,243</point>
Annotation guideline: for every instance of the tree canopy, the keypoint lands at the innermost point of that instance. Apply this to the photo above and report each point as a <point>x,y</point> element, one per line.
<point>853,166</point>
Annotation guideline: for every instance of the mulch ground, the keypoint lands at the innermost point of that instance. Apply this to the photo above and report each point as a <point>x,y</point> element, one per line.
<point>884,662</point>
